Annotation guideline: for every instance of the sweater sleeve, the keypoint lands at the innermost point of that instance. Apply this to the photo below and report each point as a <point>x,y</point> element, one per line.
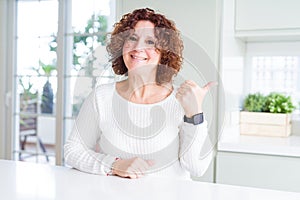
<point>80,147</point>
<point>192,141</point>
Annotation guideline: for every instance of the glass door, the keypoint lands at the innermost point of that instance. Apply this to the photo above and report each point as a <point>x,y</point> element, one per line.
<point>60,57</point>
<point>36,81</point>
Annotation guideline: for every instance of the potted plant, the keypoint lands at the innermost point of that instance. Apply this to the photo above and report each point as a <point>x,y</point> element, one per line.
<point>266,115</point>
<point>47,95</point>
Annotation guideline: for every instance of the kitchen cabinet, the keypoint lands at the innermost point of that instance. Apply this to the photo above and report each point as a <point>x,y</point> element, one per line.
<point>267,19</point>
<point>262,171</point>
<point>263,162</point>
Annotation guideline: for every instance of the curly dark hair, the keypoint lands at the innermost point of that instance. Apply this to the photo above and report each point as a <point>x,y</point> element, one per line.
<point>169,43</point>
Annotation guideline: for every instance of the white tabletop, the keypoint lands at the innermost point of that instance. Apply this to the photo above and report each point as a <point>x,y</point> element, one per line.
<point>20,180</point>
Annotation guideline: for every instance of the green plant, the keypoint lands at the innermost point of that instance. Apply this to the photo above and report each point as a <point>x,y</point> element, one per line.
<point>279,103</point>
<point>47,95</point>
<point>27,96</point>
<point>254,102</point>
<point>44,69</point>
<point>95,30</point>
<point>27,93</point>
<point>274,103</point>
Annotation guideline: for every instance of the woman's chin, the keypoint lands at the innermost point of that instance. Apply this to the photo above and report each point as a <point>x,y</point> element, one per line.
<point>142,67</point>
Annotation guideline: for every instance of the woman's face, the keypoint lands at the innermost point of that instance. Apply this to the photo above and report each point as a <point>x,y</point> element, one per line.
<point>139,48</point>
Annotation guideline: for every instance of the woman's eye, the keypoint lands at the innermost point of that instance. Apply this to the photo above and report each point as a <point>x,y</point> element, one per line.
<point>132,38</point>
<point>150,42</point>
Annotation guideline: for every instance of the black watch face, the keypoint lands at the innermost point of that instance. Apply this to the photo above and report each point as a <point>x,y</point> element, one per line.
<point>198,119</point>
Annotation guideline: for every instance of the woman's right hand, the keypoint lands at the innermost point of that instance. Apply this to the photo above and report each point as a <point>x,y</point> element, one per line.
<point>131,168</point>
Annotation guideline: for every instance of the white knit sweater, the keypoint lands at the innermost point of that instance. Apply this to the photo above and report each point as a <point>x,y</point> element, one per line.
<point>109,127</point>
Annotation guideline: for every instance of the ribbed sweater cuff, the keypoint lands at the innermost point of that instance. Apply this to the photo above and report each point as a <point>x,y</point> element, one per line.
<point>106,164</point>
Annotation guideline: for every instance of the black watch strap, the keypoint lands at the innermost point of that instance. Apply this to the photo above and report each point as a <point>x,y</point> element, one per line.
<point>195,119</point>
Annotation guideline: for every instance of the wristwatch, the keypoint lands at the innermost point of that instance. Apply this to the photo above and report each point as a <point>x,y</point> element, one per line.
<point>195,119</point>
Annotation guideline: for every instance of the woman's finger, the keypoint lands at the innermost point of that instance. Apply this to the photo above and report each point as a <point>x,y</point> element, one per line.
<point>138,169</point>
<point>210,85</point>
<point>190,82</point>
<point>132,173</point>
<point>150,162</point>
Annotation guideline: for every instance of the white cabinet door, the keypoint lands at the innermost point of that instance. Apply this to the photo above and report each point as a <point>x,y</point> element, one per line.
<point>255,18</point>
<point>267,14</point>
<point>262,171</point>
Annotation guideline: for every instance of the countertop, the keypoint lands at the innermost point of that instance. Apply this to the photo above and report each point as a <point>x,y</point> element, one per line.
<point>232,141</point>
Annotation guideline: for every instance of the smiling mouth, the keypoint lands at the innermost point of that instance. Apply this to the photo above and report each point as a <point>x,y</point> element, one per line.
<point>138,58</point>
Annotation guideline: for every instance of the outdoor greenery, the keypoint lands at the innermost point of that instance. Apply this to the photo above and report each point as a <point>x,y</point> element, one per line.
<point>27,93</point>
<point>273,103</point>
<point>26,98</point>
<point>95,30</point>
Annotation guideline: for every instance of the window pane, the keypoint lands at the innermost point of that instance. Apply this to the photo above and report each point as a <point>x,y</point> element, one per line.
<point>33,53</point>
<point>276,74</point>
<point>36,81</point>
<point>37,18</point>
<point>82,13</point>
<point>27,55</point>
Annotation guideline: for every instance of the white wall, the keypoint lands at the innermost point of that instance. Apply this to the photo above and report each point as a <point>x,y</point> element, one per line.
<point>198,21</point>
<point>232,64</point>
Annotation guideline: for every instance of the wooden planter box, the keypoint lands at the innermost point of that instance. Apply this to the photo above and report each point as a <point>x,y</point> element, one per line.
<point>265,124</point>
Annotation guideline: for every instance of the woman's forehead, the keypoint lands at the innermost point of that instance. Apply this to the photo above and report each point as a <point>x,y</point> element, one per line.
<point>144,32</point>
<point>144,28</point>
<point>144,24</point>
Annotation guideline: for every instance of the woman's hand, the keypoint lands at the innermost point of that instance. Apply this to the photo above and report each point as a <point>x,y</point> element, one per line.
<point>131,168</point>
<point>191,96</point>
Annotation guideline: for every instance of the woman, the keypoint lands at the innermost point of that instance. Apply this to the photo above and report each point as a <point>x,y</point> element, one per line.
<point>143,125</point>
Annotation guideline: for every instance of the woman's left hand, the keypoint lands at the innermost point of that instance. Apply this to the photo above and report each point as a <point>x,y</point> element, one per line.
<point>191,96</point>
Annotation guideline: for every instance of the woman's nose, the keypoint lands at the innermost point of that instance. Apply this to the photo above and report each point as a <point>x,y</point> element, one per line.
<point>139,46</point>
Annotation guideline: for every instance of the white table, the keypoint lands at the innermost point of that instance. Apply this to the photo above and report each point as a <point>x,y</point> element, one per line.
<point>20,180</point>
